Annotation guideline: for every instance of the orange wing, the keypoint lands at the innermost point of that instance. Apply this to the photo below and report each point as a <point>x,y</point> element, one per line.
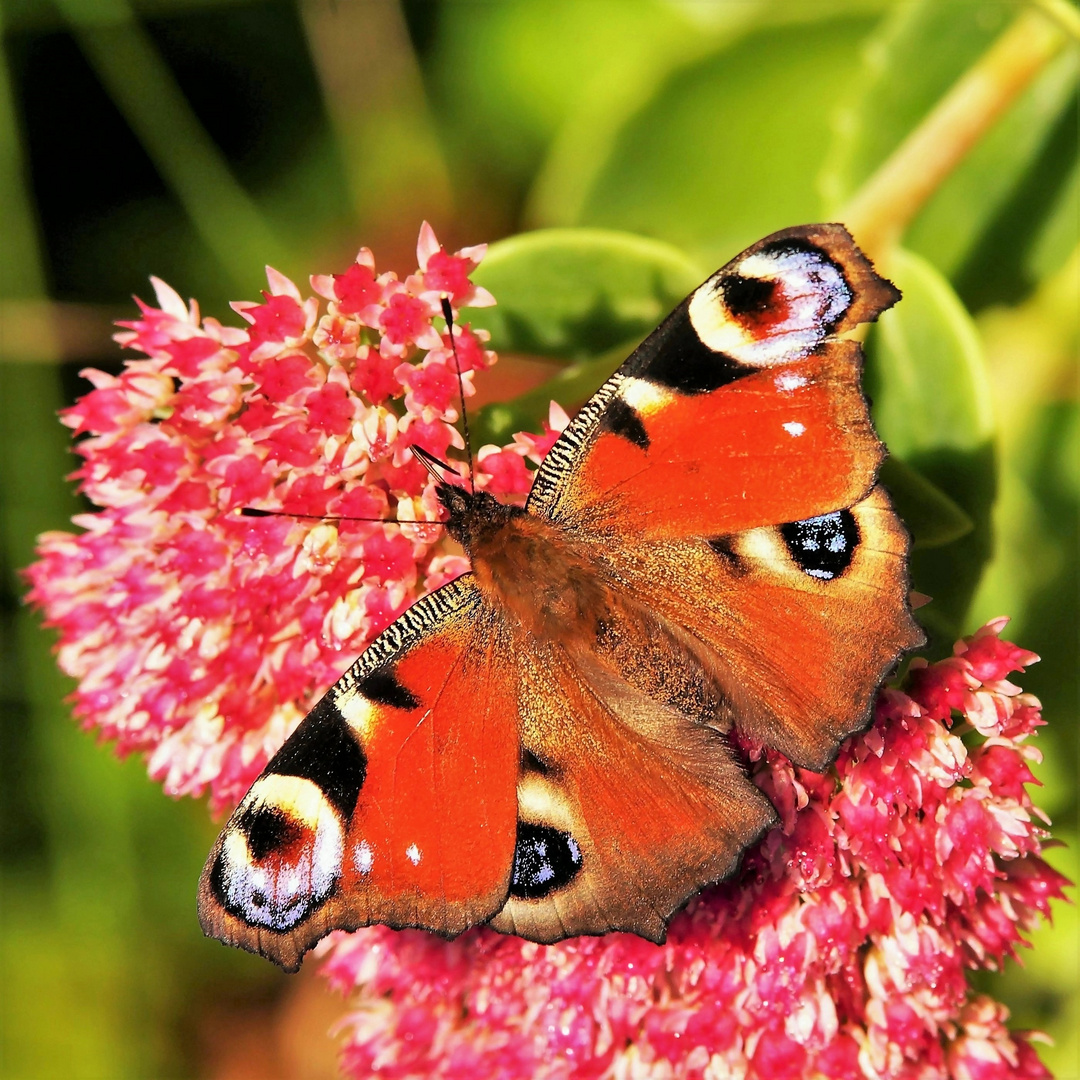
<point>793,626</point>
<point>742,409</point>
<point>725,475</point>
<point>392,802</point>
<point>627,807</point>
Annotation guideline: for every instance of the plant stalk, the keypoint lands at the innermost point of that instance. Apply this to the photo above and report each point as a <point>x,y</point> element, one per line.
<point>889,201</point>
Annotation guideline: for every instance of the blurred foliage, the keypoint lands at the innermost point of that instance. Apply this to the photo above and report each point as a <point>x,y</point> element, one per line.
<point>651,139</point>
<point>928,381</point>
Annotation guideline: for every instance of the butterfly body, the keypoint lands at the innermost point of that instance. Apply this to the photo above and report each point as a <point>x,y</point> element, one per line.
<point>546,744</point>
<point>541,579</point>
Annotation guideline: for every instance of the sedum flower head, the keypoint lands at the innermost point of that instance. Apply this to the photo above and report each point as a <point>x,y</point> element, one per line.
<point>838,951</point>
<point>200,636</point>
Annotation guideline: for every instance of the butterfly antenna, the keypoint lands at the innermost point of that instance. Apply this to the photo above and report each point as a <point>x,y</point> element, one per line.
<point>448,315</point>
<point>255,512</point>
<point>433,464</point>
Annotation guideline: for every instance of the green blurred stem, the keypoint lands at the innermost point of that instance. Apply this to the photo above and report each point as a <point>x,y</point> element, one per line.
<point>386,134</point>
<point>21,272</point>
<point>890,200</point>
<point>140,83</point>
<point>1063,13</point>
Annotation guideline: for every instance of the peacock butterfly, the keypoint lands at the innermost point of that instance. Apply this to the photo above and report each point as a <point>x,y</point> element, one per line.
<point>542,745</point>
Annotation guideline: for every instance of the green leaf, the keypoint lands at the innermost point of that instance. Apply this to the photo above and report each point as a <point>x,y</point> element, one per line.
<point>621,82</point>
<point>927,379</point>
<point>1057,235</point>
<point>726,152</point>
<point>931,387</point>
<point>907,65</point>
<point>576,293</point>
<point>507,75</point>
<point>930,515</point>
<point>1034,576</point>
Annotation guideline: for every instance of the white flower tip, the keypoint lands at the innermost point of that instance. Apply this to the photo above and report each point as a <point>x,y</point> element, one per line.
<point>169,299</point>
<point>280,285</point>
<point>427,244</point>
<point>241,307</point>
<point>481,298</point>
<point>323,284</point>
<point>557,417</point>
<point>474,254</point>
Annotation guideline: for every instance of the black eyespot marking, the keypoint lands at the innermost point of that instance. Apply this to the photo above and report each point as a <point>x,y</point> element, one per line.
<point>267,829</point>
<point>217,880</point>
<point>621,419</point>
<point>824,275</point>
<point>324,750</point>
<point>724,546</point>
<point>747,295</point>
<point>531,763</point>
<point>264,902</point>
<point>822,547</point>
<point>545,859</point>
<point>381,687</point>
<point>674,356</point>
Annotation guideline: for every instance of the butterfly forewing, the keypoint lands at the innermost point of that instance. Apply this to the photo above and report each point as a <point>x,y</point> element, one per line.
<point>393,802</point>
<point>781,444</point>
<point>741,409</point>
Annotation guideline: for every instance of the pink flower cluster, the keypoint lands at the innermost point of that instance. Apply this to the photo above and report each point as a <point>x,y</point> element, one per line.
<point>200,636</point>
<point>839,950</point>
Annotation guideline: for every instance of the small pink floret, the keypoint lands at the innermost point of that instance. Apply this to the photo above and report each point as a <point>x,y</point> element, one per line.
<point>356,289</point>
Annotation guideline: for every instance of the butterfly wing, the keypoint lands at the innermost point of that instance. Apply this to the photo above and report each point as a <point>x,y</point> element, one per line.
<point>727,474</point>
<point>627,807</point>
<point>721,487</point>
<point>392,802</point>
<point>742,409</point>
<point>795,625</point>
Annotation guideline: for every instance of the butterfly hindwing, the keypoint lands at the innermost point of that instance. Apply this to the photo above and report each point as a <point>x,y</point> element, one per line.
<point>796,623</point>
<point>393,802</point>
<point>627,807</point>
<point>826,598</point>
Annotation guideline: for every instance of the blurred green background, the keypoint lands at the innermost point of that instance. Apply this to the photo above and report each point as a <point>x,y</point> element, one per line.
<point>199,139</point>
